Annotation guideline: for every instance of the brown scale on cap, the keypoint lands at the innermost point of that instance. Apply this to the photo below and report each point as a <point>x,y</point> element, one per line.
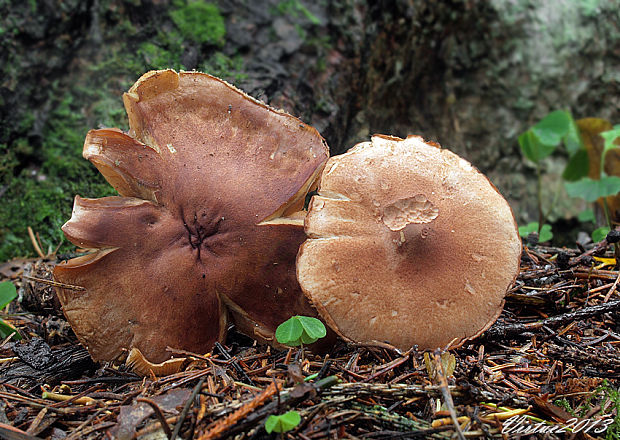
<point>408,244</point>
<point>209,181</point>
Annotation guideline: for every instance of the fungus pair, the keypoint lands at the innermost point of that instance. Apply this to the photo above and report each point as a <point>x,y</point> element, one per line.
<point>407,243</point>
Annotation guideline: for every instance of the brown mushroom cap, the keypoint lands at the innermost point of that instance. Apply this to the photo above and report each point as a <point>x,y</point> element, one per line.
<point>408,244</point>
<point>205,175</point>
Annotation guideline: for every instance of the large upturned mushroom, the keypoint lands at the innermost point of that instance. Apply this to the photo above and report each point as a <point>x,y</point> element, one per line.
<point>204,175</point>
<point>408,244</point>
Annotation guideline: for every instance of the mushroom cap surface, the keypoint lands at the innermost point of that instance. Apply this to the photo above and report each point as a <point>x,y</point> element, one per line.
<point>203,176</point>
<point>408,244</point>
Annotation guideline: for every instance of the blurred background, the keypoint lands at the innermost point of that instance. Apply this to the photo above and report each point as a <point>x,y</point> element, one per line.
<point>471,75</point>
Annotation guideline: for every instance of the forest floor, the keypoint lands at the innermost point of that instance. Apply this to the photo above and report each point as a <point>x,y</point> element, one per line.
<point>550,364</point>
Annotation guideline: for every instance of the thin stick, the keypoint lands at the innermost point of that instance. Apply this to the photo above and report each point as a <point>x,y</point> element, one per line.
<point>35,403</point>
<point>219,428</point>
<point>159,414</point>
<point>234,363</point>
<point>501,330</point>
<point>613,288</point>
<point>447,397</point>
<point>188,405</point>
<point>37,421</point>
<point>54,283</point>
<point>77,432</point>
<point>35,244</point>
<point>388,368</point>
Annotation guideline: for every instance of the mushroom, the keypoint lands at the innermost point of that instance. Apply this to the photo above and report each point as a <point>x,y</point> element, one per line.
<point>408,244</point>
<point>205,224</point>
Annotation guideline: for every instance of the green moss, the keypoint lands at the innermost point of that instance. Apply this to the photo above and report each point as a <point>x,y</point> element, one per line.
<point>223,66</point>
<point>200,22</point>
<point>8,162</point>
<point>565,404</point>
<point>164,54</point>
<point>611,401</point>
<point>42,196</point>
<point>295,9</point>
<point>155,55</point>
<point>46,206</point>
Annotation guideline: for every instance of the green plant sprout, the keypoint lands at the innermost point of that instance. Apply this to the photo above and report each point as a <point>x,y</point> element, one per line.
<point>300,330</point>
<point>539,142</point>
<point>605,186</point>
<point>7,294</point>
<point>598,234</point>
<point>544,233</point>
<point>282,423</point>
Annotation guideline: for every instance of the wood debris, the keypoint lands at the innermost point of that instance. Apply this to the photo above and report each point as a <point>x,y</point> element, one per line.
<point>550,362</point>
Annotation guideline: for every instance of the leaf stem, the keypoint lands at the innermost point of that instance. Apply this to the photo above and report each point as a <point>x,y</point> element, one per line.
<point>611,228</point>
<point>541,216</point>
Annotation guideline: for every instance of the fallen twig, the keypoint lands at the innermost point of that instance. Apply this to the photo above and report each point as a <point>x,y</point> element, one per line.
<point>500,329</point>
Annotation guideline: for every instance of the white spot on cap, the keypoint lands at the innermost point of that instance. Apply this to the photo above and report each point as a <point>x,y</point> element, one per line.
<point>93,149</point>
<point>469,288</point>
<point>331,169</point>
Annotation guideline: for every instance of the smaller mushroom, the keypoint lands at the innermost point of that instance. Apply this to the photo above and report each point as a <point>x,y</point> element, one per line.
<point>408,244</point>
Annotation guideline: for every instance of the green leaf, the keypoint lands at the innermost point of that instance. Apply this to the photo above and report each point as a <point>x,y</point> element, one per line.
<point>289,420</point>
<point>6,329</point>
<point>526,230</point>
<point>572,139</point>
<point>545,231</point>
<point>271,423</point>
<point>305,339</point>
<point>610,137</point>
<point>590,190</point>
<point>586,216</point>
<point>282,423</point>
<point>577,167</point>
<point>289,332</point>
<point>532,148</point>
<point>600,233</point>
<point>553,127</point>
<point>312,327</point>
<point>300,330</point>
<point>7,293</point>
